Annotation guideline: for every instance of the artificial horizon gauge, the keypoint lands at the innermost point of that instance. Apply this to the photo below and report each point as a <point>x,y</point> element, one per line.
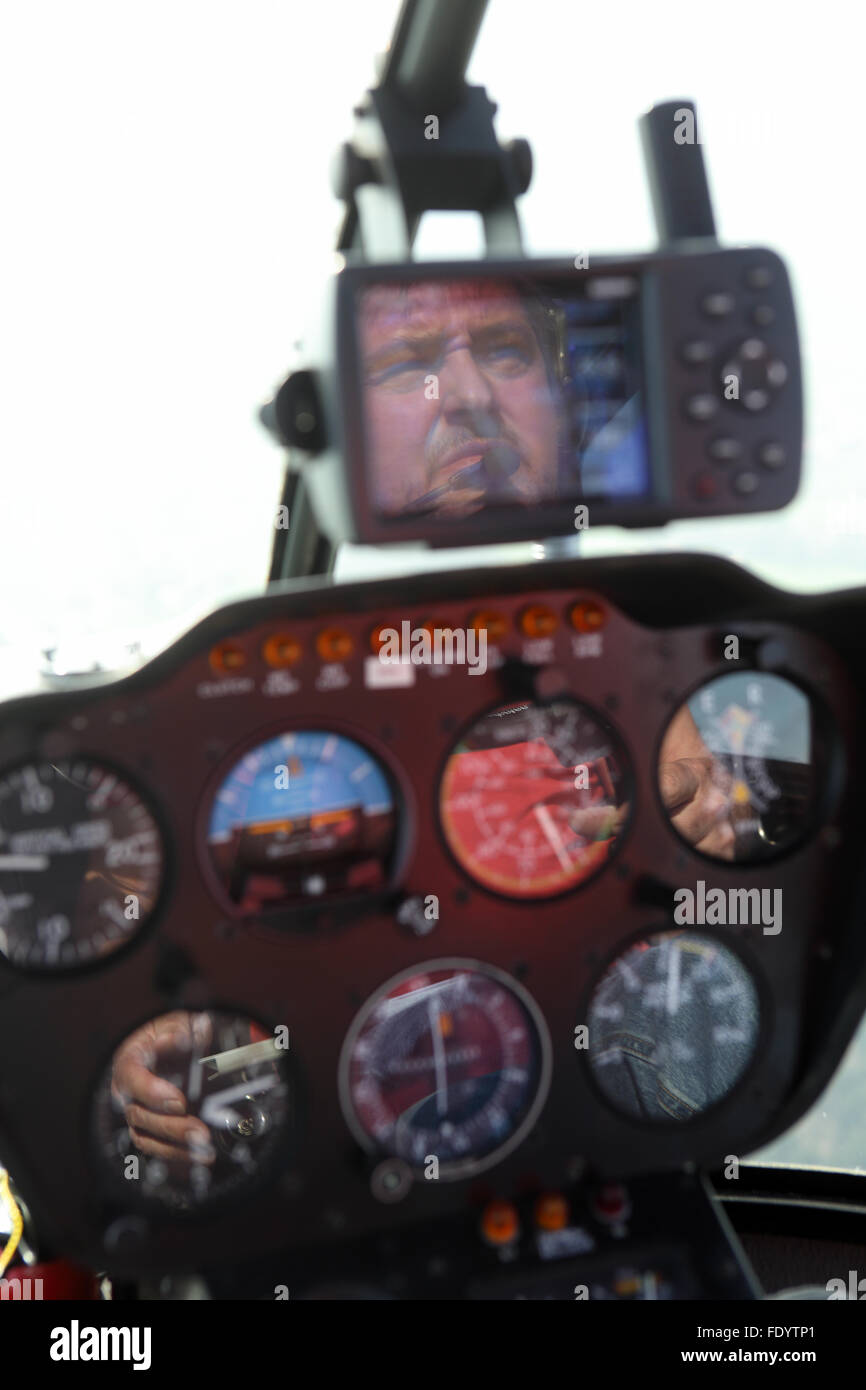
<point>768,760</point>
<point>449,1061</point>
<point>81,863</point>
<point>305,815</point>
<point>534,797</point>
<point>227,1079</point>
<point>673,1025</point>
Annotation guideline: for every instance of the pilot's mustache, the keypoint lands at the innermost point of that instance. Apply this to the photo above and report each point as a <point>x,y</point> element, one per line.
<point>490,474</point>
<point>465,439</point>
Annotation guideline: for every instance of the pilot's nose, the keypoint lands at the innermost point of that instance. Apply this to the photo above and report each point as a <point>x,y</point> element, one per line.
<point>462,384</point>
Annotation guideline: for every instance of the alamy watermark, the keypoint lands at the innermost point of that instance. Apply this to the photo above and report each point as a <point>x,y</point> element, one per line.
<point>21,1290</point>
<point>732,907</point>
<point>77,1343</point>
<point>434,646</point>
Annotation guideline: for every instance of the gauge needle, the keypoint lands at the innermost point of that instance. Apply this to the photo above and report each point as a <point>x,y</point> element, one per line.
<point>554,838</point>
<point>239,1057</point>
<point>438,1057</point>
<point>38,862</point>
<point>632,980</point>
<point>673,990</point>
<point>635,1087</point>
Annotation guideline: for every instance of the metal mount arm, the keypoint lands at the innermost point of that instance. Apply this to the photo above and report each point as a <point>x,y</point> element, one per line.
<point>424,140</point>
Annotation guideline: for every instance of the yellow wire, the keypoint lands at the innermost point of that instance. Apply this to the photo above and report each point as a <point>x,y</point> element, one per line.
<point>17,1223</point>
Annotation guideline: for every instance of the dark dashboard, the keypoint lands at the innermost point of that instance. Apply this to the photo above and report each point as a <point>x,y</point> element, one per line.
<point>428,950</point>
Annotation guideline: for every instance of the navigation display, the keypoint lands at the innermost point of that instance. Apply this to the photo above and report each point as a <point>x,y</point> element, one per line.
<point>483,393</point>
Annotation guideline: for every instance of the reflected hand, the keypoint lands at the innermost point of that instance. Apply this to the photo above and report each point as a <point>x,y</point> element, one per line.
<point>155,1110</point>
<point>598,822</point>
<point>695,789</point>
<point>696,795</point>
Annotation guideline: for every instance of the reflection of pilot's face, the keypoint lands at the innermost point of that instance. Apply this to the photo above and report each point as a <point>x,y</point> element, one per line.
<point>454,371</point>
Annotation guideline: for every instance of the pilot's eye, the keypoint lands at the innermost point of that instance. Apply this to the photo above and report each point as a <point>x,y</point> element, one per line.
<point>401,370</point>
<point>404,369</point>
<point>508,352</point>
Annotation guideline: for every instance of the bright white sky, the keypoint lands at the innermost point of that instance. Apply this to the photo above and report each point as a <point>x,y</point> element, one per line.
<point>168,218</point>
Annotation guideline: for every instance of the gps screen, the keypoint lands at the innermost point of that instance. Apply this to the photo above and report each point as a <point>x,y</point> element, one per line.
<point>499,393</point>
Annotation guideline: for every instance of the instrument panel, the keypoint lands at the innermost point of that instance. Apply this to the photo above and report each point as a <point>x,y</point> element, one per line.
<point>331,929</point>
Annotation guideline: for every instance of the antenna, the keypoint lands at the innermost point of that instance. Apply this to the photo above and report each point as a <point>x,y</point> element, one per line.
<point>676,172</point>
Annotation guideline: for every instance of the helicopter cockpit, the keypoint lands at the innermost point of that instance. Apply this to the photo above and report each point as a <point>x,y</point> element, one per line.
<point>464,932</point>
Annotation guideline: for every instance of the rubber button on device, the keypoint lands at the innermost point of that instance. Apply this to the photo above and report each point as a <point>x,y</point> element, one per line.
<point>704,487</point>
<point>763,315</point>
<point>758,277</point>
<point>772,455</point>
<point>696,352</point>
<point>746,483</point>
<point>777,373</point>
<point>718,305</point>
<point>701,407</point>
<point>725,449</point>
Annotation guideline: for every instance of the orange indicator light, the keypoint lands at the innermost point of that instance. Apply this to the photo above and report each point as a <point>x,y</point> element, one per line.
<point>493,623</point>
<point>333,644</point>
<point>551,1212</point>
<point>538,621</point>
<point>500,1223</point>
<point>588,617</point>
<point>226,657</point>
<point>281,650</point>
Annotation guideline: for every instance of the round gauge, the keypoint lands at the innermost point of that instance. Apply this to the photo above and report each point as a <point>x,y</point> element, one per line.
<point>533,798</point>
<point>740,767</point>
<point>192,1106</point>
<point>305,815</point>
<point>81,864</point>
<point>449,1062</point>
<point>673,1025</point>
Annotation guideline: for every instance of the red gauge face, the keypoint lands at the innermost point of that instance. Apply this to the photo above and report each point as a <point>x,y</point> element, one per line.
<point>533,798</point>
<point>448,1063</point>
